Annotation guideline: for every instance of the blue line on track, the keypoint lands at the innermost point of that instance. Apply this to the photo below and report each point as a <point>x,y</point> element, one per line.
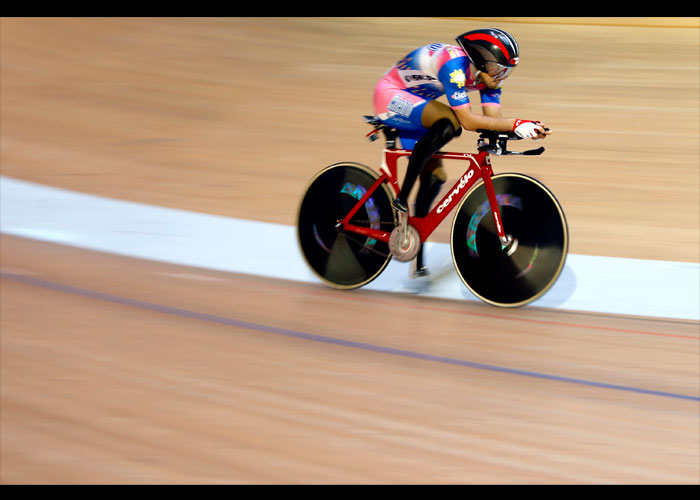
<point>329,340</point>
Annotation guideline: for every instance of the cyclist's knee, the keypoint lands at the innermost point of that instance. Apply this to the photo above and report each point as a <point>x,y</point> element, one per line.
<point>434,111</point>
<point>446,130</point>
<point>439,134</point>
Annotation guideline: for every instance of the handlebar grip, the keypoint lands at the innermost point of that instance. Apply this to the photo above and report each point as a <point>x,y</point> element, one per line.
<point>494,135</point>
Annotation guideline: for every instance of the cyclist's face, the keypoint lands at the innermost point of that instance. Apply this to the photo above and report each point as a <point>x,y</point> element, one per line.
<point>497,71</point>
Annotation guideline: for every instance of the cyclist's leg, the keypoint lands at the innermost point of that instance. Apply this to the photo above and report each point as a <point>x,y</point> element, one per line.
<point>432,176</point>
<point>435,111</point>
<point>415,118</point>
<point>442,126</point>
<point>431,180</point>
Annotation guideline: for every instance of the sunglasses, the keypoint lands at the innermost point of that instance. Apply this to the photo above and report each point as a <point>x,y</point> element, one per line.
<point>499,71</point>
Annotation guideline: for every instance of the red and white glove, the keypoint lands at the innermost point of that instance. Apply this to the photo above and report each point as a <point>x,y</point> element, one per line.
<point>528,129</point>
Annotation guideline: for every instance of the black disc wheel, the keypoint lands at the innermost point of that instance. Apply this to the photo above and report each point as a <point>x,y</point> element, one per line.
<point>517,274</point>
<point>343,259</point>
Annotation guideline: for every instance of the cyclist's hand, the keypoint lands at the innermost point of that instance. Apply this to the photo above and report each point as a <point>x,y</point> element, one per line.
<point>490,81</point>
<point>531,129</point>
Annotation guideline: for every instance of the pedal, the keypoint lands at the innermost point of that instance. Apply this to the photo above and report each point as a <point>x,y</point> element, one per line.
<point>418,272</point>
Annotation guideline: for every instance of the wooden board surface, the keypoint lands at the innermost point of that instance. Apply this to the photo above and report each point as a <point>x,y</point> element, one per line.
<point>123,371</point>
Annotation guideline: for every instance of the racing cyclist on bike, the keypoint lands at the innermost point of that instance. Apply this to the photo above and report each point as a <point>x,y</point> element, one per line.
<point>405,98</point>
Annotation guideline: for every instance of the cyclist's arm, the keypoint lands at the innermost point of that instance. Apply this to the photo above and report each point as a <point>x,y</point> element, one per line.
<point>472,121</point>
<point>453,76</point>
<point>492,111</point>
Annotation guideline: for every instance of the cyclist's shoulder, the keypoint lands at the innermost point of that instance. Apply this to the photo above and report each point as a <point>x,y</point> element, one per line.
<point>448,58</point>
<point>446,52</point>
<point>434,59</point>
<point>439,50</point>
<point>442,51</point>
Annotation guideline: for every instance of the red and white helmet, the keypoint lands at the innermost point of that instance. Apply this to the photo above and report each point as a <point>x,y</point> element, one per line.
<point>491,50</point>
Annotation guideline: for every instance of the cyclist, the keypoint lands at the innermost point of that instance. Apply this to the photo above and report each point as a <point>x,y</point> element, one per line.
<point>405,98</point>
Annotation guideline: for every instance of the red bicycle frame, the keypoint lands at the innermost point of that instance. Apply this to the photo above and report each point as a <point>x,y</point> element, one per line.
<point>479,167</point>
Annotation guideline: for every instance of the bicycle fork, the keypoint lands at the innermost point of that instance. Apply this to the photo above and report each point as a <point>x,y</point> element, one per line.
<point>507,240</point>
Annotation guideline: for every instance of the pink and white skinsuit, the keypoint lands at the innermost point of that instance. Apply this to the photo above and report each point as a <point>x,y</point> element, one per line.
<point>426,74</point>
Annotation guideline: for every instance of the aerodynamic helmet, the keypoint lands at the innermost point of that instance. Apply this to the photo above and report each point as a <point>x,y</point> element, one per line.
<point>491,50</point>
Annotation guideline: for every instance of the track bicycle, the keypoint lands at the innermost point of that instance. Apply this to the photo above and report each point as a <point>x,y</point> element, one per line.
<point>509,237</point>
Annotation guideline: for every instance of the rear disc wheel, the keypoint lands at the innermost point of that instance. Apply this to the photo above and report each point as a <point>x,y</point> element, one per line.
<point>342,259</point>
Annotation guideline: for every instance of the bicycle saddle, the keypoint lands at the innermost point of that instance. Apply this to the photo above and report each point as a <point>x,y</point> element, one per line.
<point>390,133</point>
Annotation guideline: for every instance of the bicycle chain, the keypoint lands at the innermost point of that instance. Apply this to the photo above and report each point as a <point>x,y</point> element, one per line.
<point>361,221</point>
<point>353,239</point>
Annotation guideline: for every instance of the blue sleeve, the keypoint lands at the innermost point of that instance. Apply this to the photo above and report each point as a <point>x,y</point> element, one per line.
<point>453,77</point>
<point>490,97</point>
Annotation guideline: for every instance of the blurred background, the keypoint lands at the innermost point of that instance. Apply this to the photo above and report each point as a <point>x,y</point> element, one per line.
<point>233,116</point>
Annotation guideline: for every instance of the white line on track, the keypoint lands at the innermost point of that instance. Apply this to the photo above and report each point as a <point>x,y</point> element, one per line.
<point>588,283</point>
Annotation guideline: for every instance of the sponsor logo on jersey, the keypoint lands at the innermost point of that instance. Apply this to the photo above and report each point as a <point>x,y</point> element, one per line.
<point>434,47</point>
<point>458,77</point>
<point>413,77</point>
<point>400,106</point>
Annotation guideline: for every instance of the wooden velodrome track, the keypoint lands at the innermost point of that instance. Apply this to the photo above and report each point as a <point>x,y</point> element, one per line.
<point>115,370</point>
